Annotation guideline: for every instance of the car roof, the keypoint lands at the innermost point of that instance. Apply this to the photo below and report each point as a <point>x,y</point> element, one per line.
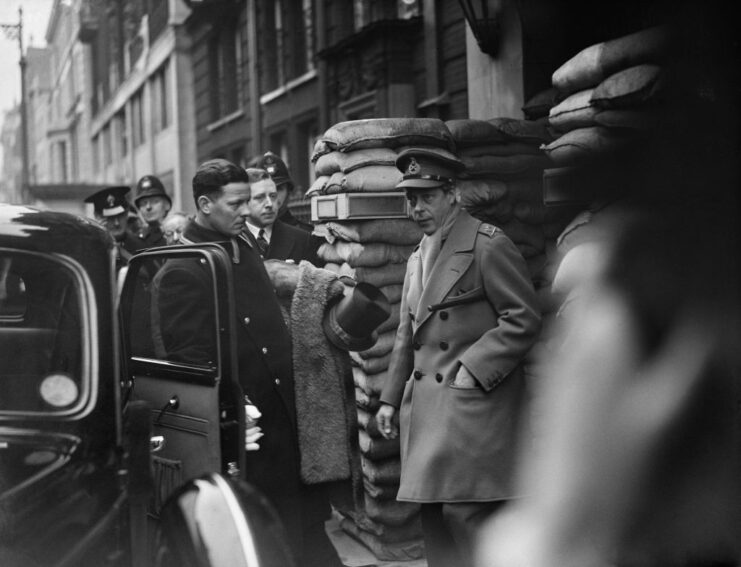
<point>27,228</point>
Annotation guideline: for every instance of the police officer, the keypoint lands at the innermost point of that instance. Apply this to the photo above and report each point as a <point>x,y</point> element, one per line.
<point>278,171</point>
<point>455,386</point>
<point>153,204</point>
<point>111,209</point>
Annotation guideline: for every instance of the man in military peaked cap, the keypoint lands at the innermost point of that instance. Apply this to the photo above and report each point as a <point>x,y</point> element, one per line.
<point>111,209</point>
<point>276,167</point>
<point>468,316</point>
<point>153,204</point>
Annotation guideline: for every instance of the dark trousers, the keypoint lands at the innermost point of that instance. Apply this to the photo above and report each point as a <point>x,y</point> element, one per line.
<point>317,549</point>
<point>450,531</point>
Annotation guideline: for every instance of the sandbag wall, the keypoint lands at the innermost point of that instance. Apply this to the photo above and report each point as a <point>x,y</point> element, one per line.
<point>355,157</point>
<point>605,98</point>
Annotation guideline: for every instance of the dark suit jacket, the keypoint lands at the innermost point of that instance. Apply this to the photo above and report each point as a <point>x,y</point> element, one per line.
<point>290,243</point>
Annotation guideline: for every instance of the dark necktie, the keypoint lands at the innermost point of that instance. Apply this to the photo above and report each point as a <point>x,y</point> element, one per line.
<point>262,243</point>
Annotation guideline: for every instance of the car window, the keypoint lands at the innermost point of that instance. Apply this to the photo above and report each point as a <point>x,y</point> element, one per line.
<point>172,311</point>
<point>42,334</point>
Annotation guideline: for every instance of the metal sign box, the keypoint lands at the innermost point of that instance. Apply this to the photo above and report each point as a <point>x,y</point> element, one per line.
<point>343,206</point>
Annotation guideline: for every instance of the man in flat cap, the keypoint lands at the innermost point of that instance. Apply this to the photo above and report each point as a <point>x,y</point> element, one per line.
<point>455,387</point>
<point>276,167</point>
<point>153,204</point>
<point>111,209</point>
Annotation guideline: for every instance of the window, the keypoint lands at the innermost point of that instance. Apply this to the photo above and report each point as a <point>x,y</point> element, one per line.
<point>96,154</point>
<point>43,323</point>
<point>226,62</point>
<point>161,98</point>
<point>154,317</point>
<point>121,130</point>
<point>290,51</point>
<point>138,133</point>
<point>107,150</point>
<point>62,155</point>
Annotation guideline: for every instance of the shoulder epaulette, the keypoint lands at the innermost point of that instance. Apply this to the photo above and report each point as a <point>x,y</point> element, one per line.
<point>488,229</point>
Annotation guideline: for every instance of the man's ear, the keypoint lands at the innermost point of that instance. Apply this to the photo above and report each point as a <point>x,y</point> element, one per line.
<point>204,204</point>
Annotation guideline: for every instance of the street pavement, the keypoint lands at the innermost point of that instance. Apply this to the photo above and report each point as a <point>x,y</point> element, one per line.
<point>355,554</point>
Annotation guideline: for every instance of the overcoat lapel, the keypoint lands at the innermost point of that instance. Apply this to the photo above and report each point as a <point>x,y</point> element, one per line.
<point>454,259</point>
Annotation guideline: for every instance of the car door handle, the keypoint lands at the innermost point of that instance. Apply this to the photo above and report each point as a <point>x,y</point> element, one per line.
<point>172,404</point>
<point>156,443</point>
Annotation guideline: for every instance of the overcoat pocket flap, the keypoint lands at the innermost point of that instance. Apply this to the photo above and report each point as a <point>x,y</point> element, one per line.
<point>471,296</point>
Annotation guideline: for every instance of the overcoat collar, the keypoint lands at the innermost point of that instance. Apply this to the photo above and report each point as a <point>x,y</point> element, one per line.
<point>454,259</point>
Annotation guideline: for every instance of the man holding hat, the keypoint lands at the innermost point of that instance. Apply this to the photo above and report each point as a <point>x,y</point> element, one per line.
<point>153,204</point>
<point>455,387</point>
<point>265,345</point>
<point>278,171</point>
<point>111,209</point>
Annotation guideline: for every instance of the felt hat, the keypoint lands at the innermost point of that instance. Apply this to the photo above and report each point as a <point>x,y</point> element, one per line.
<point>277,169</point>
<point>110,201</point>
<point>352,321</point>
<point>426,168</point>
<point>150,186</point>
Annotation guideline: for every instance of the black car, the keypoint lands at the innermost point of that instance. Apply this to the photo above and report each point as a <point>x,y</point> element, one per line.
<point>109,455</point>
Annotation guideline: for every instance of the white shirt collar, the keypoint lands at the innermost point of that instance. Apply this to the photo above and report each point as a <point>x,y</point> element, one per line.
<point>255,230</point>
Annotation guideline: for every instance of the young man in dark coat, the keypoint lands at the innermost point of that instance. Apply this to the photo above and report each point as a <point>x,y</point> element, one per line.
<point>264,352</point>
<point>274,239</point>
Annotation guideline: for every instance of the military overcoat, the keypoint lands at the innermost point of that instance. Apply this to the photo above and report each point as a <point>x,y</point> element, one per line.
<point>478,309</point>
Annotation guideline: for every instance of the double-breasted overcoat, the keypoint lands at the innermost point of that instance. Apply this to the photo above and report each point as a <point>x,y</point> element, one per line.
<point>478,309</point>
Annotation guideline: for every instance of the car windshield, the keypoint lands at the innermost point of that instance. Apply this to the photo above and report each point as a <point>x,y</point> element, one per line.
<point>41,334</point>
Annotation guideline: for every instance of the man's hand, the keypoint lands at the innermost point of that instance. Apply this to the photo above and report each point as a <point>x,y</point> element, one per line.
<point>283,276</point>
<point>388,422</point>
<point>464,379</point>
<point>252,436</point>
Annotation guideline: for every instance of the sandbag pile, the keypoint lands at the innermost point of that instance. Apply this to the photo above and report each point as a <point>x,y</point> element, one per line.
<point>607,96</point>
<point>376,251</point>
<point>503,185</point>
<point>359,156</point>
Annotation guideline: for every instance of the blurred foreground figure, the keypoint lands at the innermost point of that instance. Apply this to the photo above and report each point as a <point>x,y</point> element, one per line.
<point>636,463</point>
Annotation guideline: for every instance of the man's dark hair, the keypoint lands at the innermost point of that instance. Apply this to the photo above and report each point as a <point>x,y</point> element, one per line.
<point>256,174</point>
<point>212,175</point>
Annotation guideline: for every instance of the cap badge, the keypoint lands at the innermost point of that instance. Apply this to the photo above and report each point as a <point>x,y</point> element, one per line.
<point>146,184</point>
<point>413,168</point>
<point>271,169</point>
<point>110,200</point>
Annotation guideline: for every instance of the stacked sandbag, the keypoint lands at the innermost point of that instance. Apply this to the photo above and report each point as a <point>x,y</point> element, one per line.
<point>376,251</point>
<point>608,93</point>
<point>352,157</point>
<point>358,156</point>
<point>503,184</point>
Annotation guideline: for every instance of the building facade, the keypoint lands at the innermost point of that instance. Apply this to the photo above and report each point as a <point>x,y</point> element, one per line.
<point>141,93</point>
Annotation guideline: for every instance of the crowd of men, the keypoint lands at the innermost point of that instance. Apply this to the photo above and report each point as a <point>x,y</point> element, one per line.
<point>465,349</point>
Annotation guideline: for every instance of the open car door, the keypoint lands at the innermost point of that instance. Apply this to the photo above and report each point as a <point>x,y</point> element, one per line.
<point>194,396</point>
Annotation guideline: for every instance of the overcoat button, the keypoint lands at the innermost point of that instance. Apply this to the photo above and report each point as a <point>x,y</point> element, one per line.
<point>265,350</point>
<point>443,345</point>
<point>439,377</point>
<point>444,315</point>
<point>277,381</point>
<point>417,375</point>
<point>246,320</point>
<point>416,345</point>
